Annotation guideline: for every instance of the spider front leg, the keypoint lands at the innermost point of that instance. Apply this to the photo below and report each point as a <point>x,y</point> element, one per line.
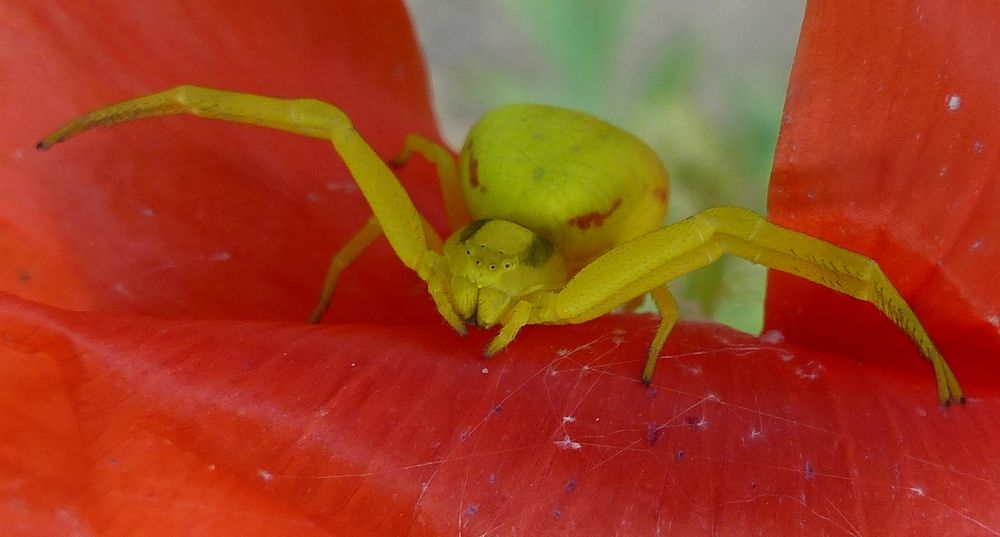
<point>646,262</point>
<point>393,210</point>
<point>454,203</point>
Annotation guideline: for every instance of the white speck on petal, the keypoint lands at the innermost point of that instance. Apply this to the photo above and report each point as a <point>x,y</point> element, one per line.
<point>567,443</point>
<point>486,371</point>
<point>811,371</point>
<point>123,290</point>
<point>569,419</point>
<point>693,370</point>
<point>265,475</point>
<point>334,186</point>
<point>954,102</point>
<point>772,337</point>
<point>994,320</point>
<point>147,212</point>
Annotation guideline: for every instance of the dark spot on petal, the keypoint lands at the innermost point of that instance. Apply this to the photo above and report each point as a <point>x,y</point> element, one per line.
<point>653,432</point>
<point>810,471</point>
<point>693,423</point>
<point>681,455</point>
<point>571,485</point>
<point>585,221</point>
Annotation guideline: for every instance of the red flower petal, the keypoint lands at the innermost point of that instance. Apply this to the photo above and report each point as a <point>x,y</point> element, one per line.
<point>238,428</point>
<point>123,424</point>
<point>889,147</point>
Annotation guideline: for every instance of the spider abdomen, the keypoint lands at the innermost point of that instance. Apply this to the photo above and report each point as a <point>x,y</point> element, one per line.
<point>580,182</point>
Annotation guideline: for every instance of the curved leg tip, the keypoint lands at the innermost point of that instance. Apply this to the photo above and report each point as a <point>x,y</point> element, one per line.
<point>317,315</point>
<point>948,400</point>
<point>647,370</point>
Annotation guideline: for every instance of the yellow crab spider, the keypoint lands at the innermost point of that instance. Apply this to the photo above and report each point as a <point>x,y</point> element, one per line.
<point>556,219</point>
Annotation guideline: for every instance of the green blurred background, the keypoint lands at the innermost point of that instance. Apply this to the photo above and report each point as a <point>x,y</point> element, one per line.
<point>702,82</point>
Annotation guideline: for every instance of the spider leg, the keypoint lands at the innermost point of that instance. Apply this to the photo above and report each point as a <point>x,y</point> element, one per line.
<point>396,214</point>
<point>669,314</point>
<point>646,262</point>
<point>341,260</point>
<point>447,170</point>
<point>454,203</point>
<point>436,274</point>
<point>349,252</point>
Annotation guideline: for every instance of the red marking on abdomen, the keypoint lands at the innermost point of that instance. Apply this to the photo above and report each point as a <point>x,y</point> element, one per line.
<point>473,171</point>
<point>584,221</point>
<point>661,194</point>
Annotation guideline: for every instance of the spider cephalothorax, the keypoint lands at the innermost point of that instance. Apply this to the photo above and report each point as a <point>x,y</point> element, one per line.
<point>495,263</point>
<point>567,214</point>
